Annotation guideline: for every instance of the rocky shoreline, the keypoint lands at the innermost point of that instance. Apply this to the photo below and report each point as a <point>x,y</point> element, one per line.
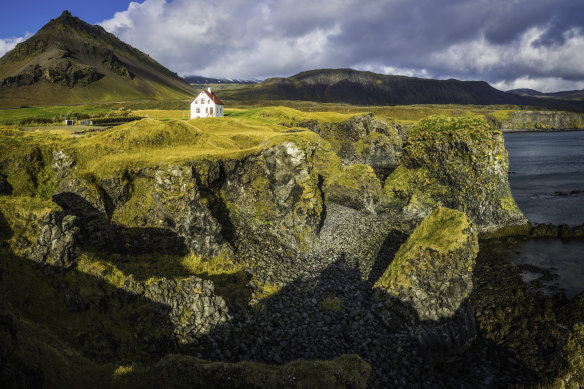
<point>361,246</point>
<point>537,121</point>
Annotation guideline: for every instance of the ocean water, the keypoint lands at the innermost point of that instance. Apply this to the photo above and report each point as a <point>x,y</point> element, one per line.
<point>564,260</point>
<point>546,175</point>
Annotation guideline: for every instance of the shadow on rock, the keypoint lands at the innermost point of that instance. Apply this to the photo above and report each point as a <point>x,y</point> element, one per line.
<point>97,230</point>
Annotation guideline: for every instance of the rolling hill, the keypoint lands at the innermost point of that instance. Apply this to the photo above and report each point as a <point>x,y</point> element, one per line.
<point>564,95</point>
<point>367,88</point>
<point>69,61</point>
<point>211,80</point>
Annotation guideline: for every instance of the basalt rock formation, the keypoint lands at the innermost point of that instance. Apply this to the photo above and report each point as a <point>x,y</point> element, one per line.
<point>542,121</point>
<point>295,250</point>
<point>431,277</point>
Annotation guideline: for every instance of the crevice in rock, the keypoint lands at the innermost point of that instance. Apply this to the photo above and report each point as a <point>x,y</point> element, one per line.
<point>217,206</point>
<point>320,186</point>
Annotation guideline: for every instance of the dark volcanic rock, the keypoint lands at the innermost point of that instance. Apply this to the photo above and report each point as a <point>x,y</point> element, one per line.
<point>362,140</point>
<point>460,163</point>
<point>431,277</point>
<point>5,187</point>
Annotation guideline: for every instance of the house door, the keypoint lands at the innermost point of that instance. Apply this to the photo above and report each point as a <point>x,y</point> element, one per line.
<point>211,112</point>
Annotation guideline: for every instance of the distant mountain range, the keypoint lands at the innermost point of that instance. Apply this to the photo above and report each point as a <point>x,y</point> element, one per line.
<point>198,80</point>
<point>69,61</point>
<point>367,88</point>
<point>565,95</point>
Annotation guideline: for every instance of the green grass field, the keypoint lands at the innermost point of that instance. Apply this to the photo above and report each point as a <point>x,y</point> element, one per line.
<point>179,109</point>
<point>50,114</point>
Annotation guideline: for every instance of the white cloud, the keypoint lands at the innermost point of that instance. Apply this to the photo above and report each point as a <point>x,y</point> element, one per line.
<point>464,39</point>
<point>543,84</point>
<point>394,70</point>
<point>236,38</point>
<point>8,44</point>
<point>524,61</point>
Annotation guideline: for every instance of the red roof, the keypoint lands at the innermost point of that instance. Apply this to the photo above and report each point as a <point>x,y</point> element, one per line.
<point>214,97</point>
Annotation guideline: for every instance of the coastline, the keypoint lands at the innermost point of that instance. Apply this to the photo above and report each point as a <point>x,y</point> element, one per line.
<point>511,130</point>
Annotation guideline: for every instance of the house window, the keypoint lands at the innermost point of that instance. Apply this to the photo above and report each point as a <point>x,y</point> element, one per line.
<point>198,110</point>
<point>208,101</point>
<point>206,109</point>
<point>196,101</point>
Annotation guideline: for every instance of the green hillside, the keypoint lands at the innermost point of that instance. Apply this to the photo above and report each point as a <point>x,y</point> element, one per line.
<point>367,88</point>
<point>69,61</point>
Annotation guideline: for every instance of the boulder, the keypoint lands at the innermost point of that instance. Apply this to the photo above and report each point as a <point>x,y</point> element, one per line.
<point>459,163</point>
<point>429,281</point>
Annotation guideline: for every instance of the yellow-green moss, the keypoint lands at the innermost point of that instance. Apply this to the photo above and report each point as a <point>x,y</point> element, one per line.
<point>443,230</point>
<point>131,214</point>
<point>267,290</point>
<point>354,177</point>
<point>21,215</point>
<point>334,304</point>
<point>102,270</point>
<point>507,231</point>
<point>501,114</point>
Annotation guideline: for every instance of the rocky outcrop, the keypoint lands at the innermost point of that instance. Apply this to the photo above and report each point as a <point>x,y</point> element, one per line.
<point>429,281</point>
<point>45,235</point>
<point>460,163</point>
<point>177,204</point>
<point>275,194</point>
<point>56,242</point>
<point>542,121</point>
<point>193,307</point>
<point>357,187</point>
<point>361,140</point>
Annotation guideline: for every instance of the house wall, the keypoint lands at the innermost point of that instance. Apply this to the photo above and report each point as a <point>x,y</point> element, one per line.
<point>205,107</point>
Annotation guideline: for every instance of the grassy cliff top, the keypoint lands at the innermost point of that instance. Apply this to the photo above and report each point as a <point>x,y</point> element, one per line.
<point>151,142</point>
<point>442,230</point>
<point>437,124</point>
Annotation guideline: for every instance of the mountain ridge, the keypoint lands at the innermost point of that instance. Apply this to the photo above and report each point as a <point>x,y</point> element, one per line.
<point>564,95</point>
<point>70,61</point>
<point>368,88</point>
<point>194,79</point>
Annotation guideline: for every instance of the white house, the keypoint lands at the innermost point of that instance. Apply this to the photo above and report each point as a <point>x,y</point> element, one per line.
<point>206,105</point>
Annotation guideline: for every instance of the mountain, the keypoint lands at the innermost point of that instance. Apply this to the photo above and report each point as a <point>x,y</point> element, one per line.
<point>69,61</point>
<point>526,92</point>
<point>564,95</point>
<point>367,88</point>
<point>211,80</point>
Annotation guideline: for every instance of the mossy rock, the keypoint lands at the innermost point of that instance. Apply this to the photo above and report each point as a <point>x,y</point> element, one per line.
<point>432,270</point>
<point>460,163</point>
<point>21,221</point>
<point>356,186</point>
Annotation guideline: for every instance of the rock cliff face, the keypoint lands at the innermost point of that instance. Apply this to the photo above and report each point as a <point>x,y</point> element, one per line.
<point>431,276</point>
<point>41,232</point>
<point>457,163</point>
<point>361,140</point>
<point>542,120</point>
<point>309,225</point>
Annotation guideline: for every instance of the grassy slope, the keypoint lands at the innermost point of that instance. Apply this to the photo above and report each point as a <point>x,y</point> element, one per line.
<point>88,47</point>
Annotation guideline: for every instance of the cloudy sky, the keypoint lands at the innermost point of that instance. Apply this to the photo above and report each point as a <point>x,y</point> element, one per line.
<point>536,44</point>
